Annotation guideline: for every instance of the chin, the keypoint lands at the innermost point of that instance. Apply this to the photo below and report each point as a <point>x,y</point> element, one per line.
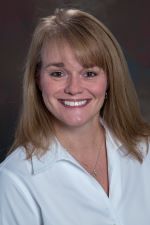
<point>75,123</point>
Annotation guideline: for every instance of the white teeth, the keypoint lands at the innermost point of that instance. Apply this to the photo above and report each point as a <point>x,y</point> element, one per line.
<point>75,103</point>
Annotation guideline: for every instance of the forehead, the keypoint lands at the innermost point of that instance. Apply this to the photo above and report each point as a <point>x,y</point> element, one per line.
<point>72,49</point>
<point>54,52</point>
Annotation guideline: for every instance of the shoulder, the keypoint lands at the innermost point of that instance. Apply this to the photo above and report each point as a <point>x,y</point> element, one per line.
<point>12,172</point>
<point>14,175</point>
<point>16,163</point>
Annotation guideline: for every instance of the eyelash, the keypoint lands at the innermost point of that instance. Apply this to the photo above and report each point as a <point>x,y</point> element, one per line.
<point>56,74</point>
<point>87,74</point>
<point>90,74</point>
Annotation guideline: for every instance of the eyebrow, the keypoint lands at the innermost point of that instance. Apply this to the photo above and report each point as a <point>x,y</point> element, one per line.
<point>59,64</point>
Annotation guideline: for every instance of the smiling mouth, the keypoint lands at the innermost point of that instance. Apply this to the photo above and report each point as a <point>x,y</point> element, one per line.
<point>74,103</point>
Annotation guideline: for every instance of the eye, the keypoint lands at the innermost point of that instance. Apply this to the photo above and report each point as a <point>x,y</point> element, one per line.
<point>90,74</point>
<point>57,74</point>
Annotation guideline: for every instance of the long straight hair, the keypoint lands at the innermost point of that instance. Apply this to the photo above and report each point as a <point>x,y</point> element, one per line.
<point>93,44</point>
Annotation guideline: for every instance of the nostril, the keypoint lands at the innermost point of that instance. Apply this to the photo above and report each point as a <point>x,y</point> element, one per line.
<point>72,91</point>
<point>73,87</point>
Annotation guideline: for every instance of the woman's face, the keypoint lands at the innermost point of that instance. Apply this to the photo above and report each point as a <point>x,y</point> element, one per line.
<point>72,93</point>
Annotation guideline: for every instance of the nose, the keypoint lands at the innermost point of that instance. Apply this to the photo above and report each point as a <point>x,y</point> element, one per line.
<point>73,85</point>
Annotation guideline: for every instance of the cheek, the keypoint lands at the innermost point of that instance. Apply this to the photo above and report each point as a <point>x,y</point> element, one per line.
<point>100,88</point>
<point>45,86</point>
<point>47,92</point>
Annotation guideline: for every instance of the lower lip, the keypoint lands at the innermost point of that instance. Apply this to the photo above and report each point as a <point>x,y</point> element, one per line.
<point>75,106</point>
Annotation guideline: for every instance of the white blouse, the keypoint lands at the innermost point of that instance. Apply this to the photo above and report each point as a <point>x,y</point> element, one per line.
<point>57,190</point>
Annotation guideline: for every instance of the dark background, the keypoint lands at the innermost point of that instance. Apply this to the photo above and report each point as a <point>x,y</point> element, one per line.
<point>128,20</point>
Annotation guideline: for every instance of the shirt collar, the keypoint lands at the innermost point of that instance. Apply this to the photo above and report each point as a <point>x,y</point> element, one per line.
<point>56,152</point>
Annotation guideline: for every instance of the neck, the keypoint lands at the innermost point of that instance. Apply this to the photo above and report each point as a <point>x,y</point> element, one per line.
<point>87,146</point>
<point>78,139</point>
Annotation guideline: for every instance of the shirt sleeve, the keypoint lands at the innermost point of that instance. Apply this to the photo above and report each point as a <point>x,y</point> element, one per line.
<point>17,206</point>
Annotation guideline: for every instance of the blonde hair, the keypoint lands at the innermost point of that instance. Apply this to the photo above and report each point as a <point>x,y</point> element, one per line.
<point>93,44</point>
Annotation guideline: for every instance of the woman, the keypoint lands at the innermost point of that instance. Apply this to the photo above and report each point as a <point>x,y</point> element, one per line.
<point>80,154</point>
